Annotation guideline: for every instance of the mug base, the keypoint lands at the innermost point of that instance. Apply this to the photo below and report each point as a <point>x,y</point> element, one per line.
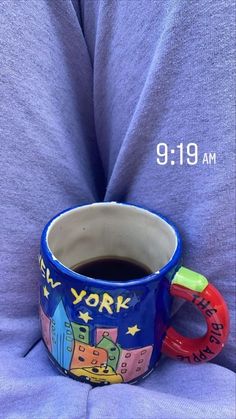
<point>84,379</point>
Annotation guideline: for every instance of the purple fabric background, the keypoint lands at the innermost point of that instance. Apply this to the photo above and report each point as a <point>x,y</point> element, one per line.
<point>87,91</point>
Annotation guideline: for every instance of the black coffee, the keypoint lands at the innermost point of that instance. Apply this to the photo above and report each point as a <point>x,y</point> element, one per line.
<point>112,268</point>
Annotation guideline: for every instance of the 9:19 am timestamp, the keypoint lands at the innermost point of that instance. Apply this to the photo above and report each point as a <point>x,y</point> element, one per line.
<point>183,154</point>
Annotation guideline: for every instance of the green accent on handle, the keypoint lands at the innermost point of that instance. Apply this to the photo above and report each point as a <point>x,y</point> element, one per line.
<point>190,279</point>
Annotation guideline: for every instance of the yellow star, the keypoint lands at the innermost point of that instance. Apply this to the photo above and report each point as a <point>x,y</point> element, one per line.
<point>45,292</point>
<point>133,330</point>
<point>85,316</point>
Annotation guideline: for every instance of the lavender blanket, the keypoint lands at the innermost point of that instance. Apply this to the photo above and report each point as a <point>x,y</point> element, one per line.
<point>88,89</point>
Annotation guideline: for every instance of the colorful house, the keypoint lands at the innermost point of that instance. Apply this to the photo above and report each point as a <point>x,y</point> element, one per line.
<point>62,337</point>
<point>105,332</point>
<point>113,351</point>
<point>81,332</point>
<point>87,356</point>
<point>134,362</point>
<point>46,328</point>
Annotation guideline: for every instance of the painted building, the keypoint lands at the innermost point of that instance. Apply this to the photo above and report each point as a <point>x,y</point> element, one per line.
<point>134,362</point>
<point>113,351</point>
<point>87,356</point>
<point>62,337</point>
<point>46,328</point>
<point>110,333</point>
<point>81,332</point>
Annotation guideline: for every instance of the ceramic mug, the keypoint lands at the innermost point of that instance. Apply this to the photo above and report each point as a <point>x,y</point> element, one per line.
<point>104,332</point>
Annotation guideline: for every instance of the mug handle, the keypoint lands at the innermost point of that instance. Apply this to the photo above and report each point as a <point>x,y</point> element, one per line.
<point>194,287</point>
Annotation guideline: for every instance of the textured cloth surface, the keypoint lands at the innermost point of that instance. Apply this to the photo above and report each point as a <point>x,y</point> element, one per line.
<point>87,91</point>
<point>34,389</point>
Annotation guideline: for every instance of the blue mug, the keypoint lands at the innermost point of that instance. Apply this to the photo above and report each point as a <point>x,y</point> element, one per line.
<point>103,332</point>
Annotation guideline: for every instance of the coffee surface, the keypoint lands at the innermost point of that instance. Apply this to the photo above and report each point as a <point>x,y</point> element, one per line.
<point>112,268</point>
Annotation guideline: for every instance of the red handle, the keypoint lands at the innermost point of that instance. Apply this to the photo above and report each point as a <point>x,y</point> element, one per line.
<point>213,307</point>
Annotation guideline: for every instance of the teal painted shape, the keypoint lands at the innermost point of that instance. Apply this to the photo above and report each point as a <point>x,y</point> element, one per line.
<point>62,337</point>
<point>81,332</point>
<point>113,351</point>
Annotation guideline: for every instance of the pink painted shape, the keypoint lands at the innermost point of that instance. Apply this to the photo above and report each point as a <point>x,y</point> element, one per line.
<point>134,362</point>
<point>46,329</point>
<point>106,333</point>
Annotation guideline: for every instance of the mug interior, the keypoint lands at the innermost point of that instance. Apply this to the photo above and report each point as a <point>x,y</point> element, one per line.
<point>111,229</point>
